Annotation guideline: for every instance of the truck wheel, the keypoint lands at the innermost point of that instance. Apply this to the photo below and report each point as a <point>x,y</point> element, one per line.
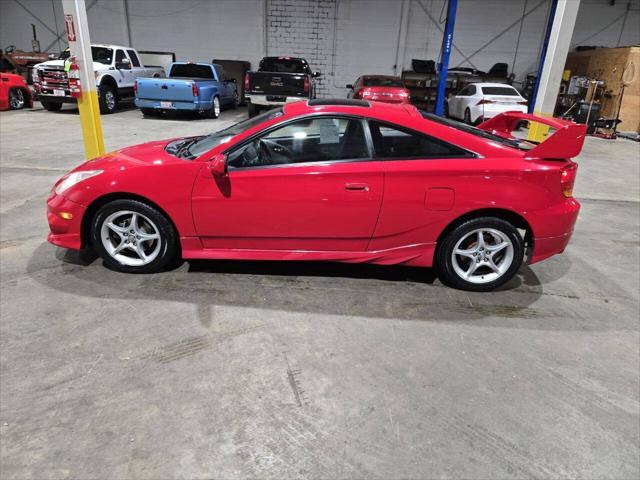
<point>51,107</point>
<point>236,101</point>
<point>253,110</point>
<point>215,108</point>
<point>108,99</point>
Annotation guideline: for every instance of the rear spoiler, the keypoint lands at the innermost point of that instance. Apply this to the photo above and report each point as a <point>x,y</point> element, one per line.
<point>566,142</point>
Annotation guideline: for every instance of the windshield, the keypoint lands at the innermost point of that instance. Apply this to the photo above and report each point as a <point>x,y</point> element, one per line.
<point>193,147</point>
<point>463,127</point>
<point>191,70</point>
<point>99,54</point>
<point>512,92</point>
<point>282,65</point>
<point>381,82</point>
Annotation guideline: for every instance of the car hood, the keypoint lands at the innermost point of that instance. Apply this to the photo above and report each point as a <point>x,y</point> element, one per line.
<point>151,153</point>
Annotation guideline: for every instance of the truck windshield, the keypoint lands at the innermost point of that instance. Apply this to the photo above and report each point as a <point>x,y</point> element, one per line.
<point>283,65</point>
<point>191,70</point>
<point>99,54</point>
<point>200,145</point>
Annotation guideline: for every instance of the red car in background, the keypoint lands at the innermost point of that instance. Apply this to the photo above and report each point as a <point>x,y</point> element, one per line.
<point>379,88</point>
<point>338,180</point>
<point>14,93</point>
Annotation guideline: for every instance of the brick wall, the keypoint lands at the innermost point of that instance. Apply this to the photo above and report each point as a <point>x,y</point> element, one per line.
<point>303,28</point>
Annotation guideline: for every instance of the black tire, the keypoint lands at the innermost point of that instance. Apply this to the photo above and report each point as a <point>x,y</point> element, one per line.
<point>236,101</point>
<point>253,110</point>
<point>467,117</point>
<point>17,99</point>
<point>214,112</point>
<point>107,99</point>
<point>167,236</point>
<point>444,260</point>
<point>51,106</point>
<point>150,112</point>
<point>446,109</point>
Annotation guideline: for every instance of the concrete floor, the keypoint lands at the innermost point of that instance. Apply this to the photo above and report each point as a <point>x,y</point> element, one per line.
<point>272,370</point>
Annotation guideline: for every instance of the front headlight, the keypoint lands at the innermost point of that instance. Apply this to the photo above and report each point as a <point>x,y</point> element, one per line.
<point>75,177</point>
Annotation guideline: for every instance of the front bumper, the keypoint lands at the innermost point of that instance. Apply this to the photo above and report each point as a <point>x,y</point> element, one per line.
<point>556,227</point>
<point>65,232</point>
<point>268,100</point>
<point>43,97</point>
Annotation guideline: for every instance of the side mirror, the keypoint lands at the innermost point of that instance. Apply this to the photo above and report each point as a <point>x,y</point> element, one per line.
<point>349,86</point>
<point>124,64</point>
<point>316,74</point>
<point>218,166</point>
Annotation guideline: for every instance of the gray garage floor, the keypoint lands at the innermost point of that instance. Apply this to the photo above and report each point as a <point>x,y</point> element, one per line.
<point>271,370</point>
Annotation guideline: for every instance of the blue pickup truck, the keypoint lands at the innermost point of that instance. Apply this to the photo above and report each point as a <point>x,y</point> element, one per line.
<point>199,87</point>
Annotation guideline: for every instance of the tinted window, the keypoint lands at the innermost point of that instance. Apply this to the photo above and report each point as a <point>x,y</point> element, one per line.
<point>310,140</point>
<point>102,55</point>
<point>381,82</point>
<point>120,56</point>
<point>219,72</point>
<point>191,70</point>
<point>463,127</point>
<point>395,142</point>
<point>134,58</point>
<point>283,65</point>
<point>500,91</point>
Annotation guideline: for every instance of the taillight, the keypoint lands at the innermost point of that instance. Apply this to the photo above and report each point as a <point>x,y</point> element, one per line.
<point>568,178</point>
<point>194,89</point>
<point>524,102</point>
<point>135,87</point>
<point>307,85</point>
<point>485,101</point>
<point>246,82</point>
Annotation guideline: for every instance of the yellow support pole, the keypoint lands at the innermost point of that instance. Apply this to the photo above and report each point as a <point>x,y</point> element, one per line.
<point>77,27</point>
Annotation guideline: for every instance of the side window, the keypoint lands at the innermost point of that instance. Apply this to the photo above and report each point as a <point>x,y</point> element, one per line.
<point>120,56</point>
<point>310,140</point>
<point>219,73</point>
<point>464,92</point>
<point>396,142</point>
<point>472,90</point>
<point>135,61</point>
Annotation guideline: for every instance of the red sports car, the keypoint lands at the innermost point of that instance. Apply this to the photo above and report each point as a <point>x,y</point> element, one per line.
<point>379,88</point>
<point>14,93</point>
<point>337,180</point>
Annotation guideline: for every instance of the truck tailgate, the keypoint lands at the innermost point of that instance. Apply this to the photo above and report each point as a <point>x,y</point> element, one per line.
<point>273,83</point>
<point>169,89</point>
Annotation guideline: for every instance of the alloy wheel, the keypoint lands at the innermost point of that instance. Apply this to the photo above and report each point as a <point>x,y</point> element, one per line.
<point>16,99</point>
<point>216,106</point>
<point>130,238</point>
<point>110,99</point>
<point>482,255</point>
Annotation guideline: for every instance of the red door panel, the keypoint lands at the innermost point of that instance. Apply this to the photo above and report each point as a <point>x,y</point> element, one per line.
<point>331,206</point>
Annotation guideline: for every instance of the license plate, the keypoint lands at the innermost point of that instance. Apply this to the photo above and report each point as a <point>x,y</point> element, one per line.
<point>59,93</point>
<point>166,105</point>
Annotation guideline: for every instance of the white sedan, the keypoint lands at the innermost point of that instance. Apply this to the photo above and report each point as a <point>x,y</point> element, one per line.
<point>479,101</point>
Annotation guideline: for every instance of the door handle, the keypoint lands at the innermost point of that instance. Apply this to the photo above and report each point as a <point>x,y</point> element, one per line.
<point>356,187</point>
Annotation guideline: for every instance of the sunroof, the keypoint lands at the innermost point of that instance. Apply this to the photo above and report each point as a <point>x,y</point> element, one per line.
<point>349,102</point>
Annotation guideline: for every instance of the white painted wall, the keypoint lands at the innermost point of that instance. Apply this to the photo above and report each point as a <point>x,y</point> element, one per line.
<point>341,38</point>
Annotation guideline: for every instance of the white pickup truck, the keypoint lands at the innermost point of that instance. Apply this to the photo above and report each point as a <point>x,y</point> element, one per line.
<point>116,69</point>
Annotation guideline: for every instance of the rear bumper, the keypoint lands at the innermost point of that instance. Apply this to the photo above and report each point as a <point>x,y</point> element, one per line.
<point>198,105</point>
<point>556,226</point>
<point>257,99</point>
<point>64,232</point>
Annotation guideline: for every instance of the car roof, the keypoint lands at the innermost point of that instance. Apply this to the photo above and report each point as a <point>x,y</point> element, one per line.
<point>349,106</point>
<point>491,84</point>
<point>105,45</point>
<point>395,77</point>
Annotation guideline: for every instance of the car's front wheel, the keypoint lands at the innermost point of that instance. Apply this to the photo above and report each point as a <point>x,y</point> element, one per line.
<point>467,117</point>
<point>133,237</point>
<point>16,99</point>
<point>480,254</point>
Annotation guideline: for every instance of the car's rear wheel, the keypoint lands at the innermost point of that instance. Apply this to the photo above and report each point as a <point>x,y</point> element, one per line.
<point>480,254</point>
<point>133,237</point>
<point>467,117</point>
<point>16,99</point>
<point>108,99</point>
